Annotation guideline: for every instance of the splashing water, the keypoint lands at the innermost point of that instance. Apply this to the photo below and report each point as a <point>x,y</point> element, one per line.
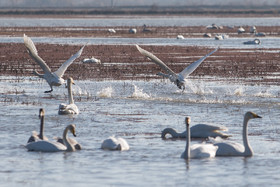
<point>138,93</point>
<point>105,92</point>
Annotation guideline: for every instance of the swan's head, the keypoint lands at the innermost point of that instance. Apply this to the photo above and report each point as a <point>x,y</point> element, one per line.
<point>188,121</point>
<point>251,115</point>
<point>41,113</point>
<point>70,81</point>
<point>72,129</point>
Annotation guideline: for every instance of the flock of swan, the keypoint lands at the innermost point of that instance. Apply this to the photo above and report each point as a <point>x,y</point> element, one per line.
<point>39,142</point>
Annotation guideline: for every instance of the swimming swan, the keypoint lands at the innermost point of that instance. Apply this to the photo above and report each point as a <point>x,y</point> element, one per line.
<point>35,136</point>
<point>178,79</point>
<point>72,141</point>
<point>49,146</point>
<point>236,149</point>
<point>198,131</point>
<point>71,108</point>
<point>113,143</point>
<point>197,150</point>
<point>53,78</point>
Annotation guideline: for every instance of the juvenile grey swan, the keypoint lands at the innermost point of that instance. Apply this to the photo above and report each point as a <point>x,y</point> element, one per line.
<point>53,78</point>
<point>50,146</point>
<point>178,79</point>
<point>236,149</point>
<point>197,150</point>
<point>35,136</point>
<point>70,108</point>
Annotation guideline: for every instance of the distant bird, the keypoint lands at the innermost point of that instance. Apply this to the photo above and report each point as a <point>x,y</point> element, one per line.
<point>253,29</point>
<point>259,34</point>
<point>113,143</point>
<point>35,136</point>
<point>221,36</point>
<point>53,78</point>
<point>236,149</point>
<point>254,42</point>
<point>197,150</point>
<point>70,108</point>
<point>111,31</point>
<point>213,26</point>
<point>178,79</point>
<point>51,146</point>
<point>145,29</point>
<point>180,37</point>
<point>132,31</point>
<point>240,30</point>
<point>91,60</point>
<point>198,131</point>
<point>207,35</point>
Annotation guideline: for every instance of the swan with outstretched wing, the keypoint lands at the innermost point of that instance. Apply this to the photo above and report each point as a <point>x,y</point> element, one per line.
<point>178,79</point>
<point>53,78</point>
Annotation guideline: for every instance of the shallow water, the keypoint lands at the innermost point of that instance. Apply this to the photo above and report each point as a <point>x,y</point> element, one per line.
<point>138,21</point>
<point>137,111</point>
<point>268,42</point>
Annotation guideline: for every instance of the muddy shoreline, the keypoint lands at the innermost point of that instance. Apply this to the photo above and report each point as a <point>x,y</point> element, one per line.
<point>124,62</point>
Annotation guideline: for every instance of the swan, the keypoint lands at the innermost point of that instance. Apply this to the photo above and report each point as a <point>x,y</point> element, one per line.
<point>72,141</point>
<point>132,31</point>
<point>236,149</point>
<point>113,143</point>
<point>53,78</point>
<point>112,30</point>
<point>253,29</point>
<point>35,136</point>
<point>207,35</point>
<point>181,37</point>
<point>240,30</point>
<point>71,108</point>
<point>254,42</point>
<point>145,28</point>
<point>197,131</point>
<point>92,60</point>
<point>49,146</point>
<point>178,79</point>
<point>197,150</point>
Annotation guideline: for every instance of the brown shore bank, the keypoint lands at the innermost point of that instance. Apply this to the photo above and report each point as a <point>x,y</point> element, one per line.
<point>124,62</point>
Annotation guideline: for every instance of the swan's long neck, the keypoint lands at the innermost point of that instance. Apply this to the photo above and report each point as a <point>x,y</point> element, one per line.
<point>70,95</point>
<point>66,141</point>
<point>248,150</point>
<point>188,140</point>
<point>41,135</point>
<point>173,133</point>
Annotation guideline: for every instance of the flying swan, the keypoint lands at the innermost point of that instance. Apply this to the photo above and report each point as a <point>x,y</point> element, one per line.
<point>113,143</point>
<point>53,78</point>
<point>71,108</point>
<point>198,131</point>
<point>178,79</point>
<point>197,150</point>
<point>35,136</point>
<point>50,146</point>
<point>236,149</point>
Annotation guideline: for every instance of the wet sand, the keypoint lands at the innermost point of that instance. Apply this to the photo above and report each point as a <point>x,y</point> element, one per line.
<point>124,62</point>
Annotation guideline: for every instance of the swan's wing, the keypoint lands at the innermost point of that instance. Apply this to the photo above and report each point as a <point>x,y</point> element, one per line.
<point>110,143</point>
<point>124,144</point>
<point>203,150</point>
<point>207,128</point>
<point>229,149</point>
<point>34,53</point>
<point>65,65</point>
<point>188,70</point>
<point>155,60</point>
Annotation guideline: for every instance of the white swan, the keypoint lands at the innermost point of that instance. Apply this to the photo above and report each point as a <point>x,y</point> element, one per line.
<point>236,149</point>
<point>112,30</point>
<point>53,78</point>
<point>92,60</point>
<point>72,141</point>
<point>207,35</point>
<point>180,37</point>
<point>254,42</point>
<point>49,146</point>
<point>178,79</point>
<point>35,136</point>
<point>71,108</point>
<point>240,30</point>
<point>198,131</point>
<point>197,150</point>
<point>132,31</point>
<point>113,143</point>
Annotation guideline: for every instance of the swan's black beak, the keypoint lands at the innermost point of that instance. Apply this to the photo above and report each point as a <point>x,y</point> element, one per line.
<point>258,116</point>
